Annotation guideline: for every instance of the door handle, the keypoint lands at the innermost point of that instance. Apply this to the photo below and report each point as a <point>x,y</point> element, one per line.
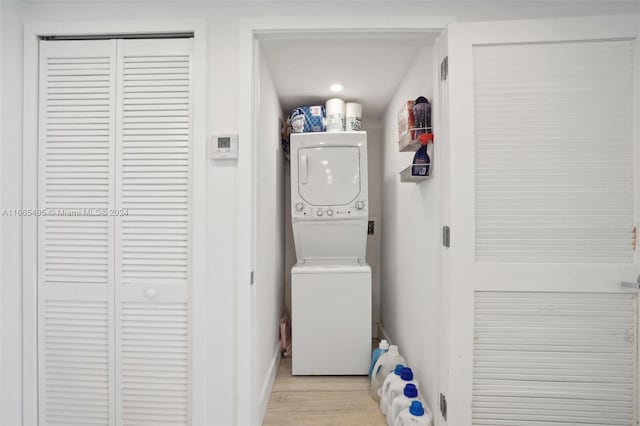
<point>304,172</point>
<point>635,286</point>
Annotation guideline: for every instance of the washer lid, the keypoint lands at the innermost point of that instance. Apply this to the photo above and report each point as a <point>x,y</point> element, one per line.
<point>329,176</point>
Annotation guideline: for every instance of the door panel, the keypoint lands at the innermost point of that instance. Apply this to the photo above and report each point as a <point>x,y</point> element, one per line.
<point>155,363</point>
<point>75,249</point>
<point>546,358</point>
<point>542,210</point>
<point>153,239</point>
<point>554,152</point>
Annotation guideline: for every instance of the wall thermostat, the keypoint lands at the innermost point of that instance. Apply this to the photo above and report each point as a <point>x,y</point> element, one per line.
<point>224,147</point>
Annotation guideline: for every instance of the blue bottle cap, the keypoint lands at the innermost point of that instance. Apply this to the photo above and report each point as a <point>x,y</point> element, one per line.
<point>398,369</point>
<point>406,374</point>
<point>416,408</point>
<point>410,390</point>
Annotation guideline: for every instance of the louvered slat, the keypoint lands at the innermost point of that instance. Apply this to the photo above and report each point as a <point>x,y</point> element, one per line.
<point>155,363</point>
<point>155,170</point>
<point>77,84</point>
<point>554,152</point>
<point>154,238</point>
<point>76,361</point>
<point>553,358</point>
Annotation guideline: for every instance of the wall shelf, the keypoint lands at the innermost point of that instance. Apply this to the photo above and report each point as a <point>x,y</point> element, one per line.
<point>406,176</point>
<point>408,144</point>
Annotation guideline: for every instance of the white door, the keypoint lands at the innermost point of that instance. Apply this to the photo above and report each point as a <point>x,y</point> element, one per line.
<point>153,239</point>
<point>543,201</point>
<point>75,241</point>
<point>114,248</point>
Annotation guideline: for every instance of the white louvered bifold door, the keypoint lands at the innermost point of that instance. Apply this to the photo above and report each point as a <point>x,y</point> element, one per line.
<point>114,249</point>
<point>543,201</point>
<point>75,237</point>
<point>153,244</point>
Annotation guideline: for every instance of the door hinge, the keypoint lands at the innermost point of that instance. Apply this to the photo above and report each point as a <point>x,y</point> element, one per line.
<point>443,406</point>
<point>446,236</point>
<point>253,275</point>
<point>444,68</point>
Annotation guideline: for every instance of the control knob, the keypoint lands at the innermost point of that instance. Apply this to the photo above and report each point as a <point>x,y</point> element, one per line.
<point>299,207</point>
<point>329,212</point>
<point>319,212</point>
<point>360,205</point>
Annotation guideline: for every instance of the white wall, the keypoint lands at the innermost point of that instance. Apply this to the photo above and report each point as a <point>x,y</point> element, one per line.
<point>269,272</point>
<point>289,246</point>
<point>2,329</point>
<point>410,289</point>
<point>222,20</point>
<point>10,178</point>
<point>375,148</point>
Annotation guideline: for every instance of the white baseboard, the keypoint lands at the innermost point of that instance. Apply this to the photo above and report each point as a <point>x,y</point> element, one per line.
<point>267,386</point>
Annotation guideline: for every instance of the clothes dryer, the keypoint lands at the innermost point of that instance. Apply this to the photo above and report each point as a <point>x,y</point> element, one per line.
<point>331,282</point>
<point>329,195</point>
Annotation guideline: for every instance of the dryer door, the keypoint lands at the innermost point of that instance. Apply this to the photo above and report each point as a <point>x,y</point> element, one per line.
<point>329,176</point>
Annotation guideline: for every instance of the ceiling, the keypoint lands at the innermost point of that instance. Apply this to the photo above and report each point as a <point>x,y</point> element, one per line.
<point>370,66</point>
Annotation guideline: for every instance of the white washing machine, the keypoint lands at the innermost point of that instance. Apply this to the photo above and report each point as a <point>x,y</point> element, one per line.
<point>331,282</point>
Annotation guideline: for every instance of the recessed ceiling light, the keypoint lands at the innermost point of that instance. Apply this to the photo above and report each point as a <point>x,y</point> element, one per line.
<point>336,87</point>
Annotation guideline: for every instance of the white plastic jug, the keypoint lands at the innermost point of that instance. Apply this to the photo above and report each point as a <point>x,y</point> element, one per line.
<point>403,402</point>
<point>394,376</point>
<point>396,388</point>
<point>383,347</point>
<point>385,364</point>
<point>415,415</point>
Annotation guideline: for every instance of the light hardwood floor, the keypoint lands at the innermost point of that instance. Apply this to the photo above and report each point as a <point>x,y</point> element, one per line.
<point>321,400</point>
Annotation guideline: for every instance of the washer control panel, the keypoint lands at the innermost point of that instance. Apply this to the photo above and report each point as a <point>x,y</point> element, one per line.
<point>301,210</point>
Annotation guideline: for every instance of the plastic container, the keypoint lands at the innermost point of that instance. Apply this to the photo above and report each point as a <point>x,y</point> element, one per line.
<point>335,110</point>
<point>415,415</point>
<point>353,116</point>
<point>421,161</point>
<point>396,388</point>
<point>307,119</point>
<point>406,120</point>
<point>385,364</point>
<point>383,347</point>
<point>403,402</point>
<point>422,116</point>
<point>394,376</point>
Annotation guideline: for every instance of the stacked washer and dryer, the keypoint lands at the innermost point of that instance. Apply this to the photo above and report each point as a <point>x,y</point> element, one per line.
<point>331,281</point>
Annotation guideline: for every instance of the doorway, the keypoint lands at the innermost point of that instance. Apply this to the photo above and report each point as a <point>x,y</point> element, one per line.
<point>121,123</point>
<point>266,40</point>
<point>457,312</point>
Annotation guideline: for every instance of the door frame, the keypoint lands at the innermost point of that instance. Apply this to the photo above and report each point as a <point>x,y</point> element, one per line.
<point>248,410</point>
<point>462,38</point>
<point>32,33</point>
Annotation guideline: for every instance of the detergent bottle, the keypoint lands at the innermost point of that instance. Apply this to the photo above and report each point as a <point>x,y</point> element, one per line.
<point>385,364</point>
